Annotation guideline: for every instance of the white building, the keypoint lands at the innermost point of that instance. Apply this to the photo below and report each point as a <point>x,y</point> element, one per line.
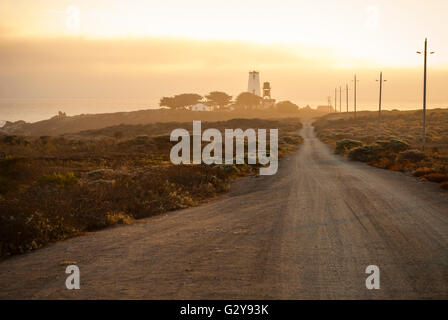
<point>254,83</point>
<point>201,107</point>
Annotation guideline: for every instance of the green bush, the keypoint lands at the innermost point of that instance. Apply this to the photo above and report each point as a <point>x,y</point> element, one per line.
<point>62,180</point>
<point>366,153</point>
<point>14,140</point>
<point>343,146</point>
<point>13,172</point>
<point>142,139</point>
<point>411,155</point>
<point>290,140</point>
<point>394,145</point>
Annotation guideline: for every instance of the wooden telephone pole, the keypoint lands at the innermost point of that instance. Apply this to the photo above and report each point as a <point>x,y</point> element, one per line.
<point>335,101</point>
<point>355,81</point>
<point>346,95</point>
<point>340,99</point>
<point>424,93</point>
<point>379,104</point>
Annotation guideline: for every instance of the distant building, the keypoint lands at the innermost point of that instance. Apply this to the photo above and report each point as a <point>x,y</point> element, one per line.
<point>201,107</point>
<point>253,85</point>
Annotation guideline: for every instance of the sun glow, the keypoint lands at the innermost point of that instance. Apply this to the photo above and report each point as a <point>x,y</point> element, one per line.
<point>137,48</point>
<point>380,31</point>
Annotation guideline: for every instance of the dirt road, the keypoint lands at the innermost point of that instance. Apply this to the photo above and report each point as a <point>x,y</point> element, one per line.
<point>308,232</point>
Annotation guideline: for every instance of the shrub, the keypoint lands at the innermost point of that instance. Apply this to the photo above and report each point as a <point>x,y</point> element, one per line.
<point>118,218</point>
<point>45,139</point>
<point>62,180</point>
<point>14,140</point>
<point>118,135</point>
<point>422,171</point>
<point>366,153</point>
<point>343,146</point>
<point>436,177</point>
<point>394,145</point>
<point>26,226</point>
<point>291,139</point>
<point>398,167</point>
<point>411,155</point>
<point>383,163</point>
<point>142,139</point>
<point>14,171</point>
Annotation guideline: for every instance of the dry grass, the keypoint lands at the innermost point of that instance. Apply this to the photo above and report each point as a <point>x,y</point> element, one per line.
<point>422,171</point>
<point>53,188</point>
<point>397,146</point>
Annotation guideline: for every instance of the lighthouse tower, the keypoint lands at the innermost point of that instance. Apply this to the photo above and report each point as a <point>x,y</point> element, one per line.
<point>254,83</point>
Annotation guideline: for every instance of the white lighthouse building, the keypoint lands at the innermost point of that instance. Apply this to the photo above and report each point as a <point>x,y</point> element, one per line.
<point>254,83</point>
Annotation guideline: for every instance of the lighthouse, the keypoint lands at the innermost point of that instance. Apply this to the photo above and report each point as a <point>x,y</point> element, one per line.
<point>254,83</point>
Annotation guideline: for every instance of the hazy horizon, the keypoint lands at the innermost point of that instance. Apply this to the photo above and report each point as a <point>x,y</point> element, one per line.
<point>143,50</point>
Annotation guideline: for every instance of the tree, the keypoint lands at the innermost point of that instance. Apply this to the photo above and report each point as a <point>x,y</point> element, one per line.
<point>167,102</point>
<point>248,100</point>
<point>180,101</point>
<point>307,108</point>
<point>287,107</point>
<point>186,99</point>
<point>218,98</point>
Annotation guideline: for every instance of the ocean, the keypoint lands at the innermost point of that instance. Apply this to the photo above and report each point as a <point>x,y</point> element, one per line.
<point>32,110</point>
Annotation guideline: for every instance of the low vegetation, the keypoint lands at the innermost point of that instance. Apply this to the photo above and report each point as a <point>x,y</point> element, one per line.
<point>62,124</point>
<point>53,188</point>
<point>396,145</point>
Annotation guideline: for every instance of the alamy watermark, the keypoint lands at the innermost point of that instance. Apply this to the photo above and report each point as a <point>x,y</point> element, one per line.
<point>373,280</point>
<point>73,280</point>
<point>212,152</point>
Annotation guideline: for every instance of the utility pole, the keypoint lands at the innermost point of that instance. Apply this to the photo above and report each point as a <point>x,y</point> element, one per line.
<point>346,95</point>
<point>424,93</point>
<point>335,101</point>
<point>355,96</point>
<point>379,105</point>
<point>355,81</point>
<point>340,99</point>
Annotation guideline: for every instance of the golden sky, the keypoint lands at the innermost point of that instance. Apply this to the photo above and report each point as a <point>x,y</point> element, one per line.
<point>136,48</point>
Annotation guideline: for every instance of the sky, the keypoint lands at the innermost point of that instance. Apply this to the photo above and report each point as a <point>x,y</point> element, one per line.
<point>148,49</point>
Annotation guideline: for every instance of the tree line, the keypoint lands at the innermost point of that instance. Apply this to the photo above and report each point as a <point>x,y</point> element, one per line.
<point>222,101</point>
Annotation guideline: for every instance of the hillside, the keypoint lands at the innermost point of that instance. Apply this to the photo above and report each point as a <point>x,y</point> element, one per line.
<point>72,124</point>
